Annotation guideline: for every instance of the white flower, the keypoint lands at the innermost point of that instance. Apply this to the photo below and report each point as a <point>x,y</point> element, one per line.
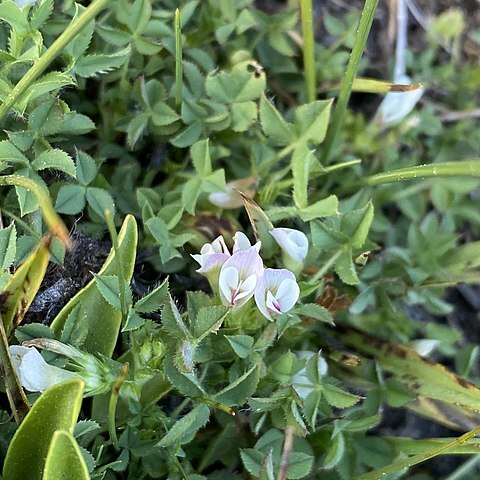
<point>277,292</point>
<point>241,242</point>
<point>239,277</point>
<point>397,105</point>
<point>22,3</point>
<point>231,198</point>
<point>294,245</point>
<point>34,373</point>
<point>212,255</point>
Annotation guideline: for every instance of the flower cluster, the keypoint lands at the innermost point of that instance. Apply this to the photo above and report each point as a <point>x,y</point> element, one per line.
<point>240,275</point>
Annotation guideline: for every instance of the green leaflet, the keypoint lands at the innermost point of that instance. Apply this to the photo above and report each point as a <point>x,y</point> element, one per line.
<point>56,409</point>
<point>103,319</point>
<point>64,459</point>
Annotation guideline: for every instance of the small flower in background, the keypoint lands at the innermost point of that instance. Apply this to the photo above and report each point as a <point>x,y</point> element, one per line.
<point>239,276</point>
<point>277,292</point>
<point>211,258</point>
<point>241,242</point>
<point>34,373</point>
<point>231,198</point>
<point>22,3</point>
<point>294,245</point>
<point>397,105</point>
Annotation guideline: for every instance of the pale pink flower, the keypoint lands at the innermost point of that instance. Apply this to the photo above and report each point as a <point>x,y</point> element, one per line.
<point>239,276</point>
<point>241,242</point>
<point>212,256</point>
<point>277,292</point>
<point>294,245</point>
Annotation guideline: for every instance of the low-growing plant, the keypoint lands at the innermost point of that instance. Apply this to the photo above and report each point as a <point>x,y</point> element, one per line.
<point>276,284</point>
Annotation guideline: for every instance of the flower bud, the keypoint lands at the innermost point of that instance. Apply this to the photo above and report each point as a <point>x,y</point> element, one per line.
<point>294,245</point>
<point>231,198</point>
<point>277,292</point>
<point>34,373</point>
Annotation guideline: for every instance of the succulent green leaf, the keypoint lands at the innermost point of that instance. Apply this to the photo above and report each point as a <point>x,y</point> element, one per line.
<point>56,409</point>
<point>102,335</point>
<point>65,459</point>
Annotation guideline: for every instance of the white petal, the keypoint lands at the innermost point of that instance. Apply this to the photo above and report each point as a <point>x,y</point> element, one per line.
<point>228,284</point>
<point>241,242</point>
<point>294,243</point>
<point>287,294</point>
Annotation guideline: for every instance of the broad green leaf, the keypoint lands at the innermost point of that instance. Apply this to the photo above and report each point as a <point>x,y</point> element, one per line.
<point>315,311</point>
<point>163,115</point>
<point>273,125</point>
<point>154,300</point>
<point>244,83</point>
<point>185,383</point>
<point>184,356</point>
<point>11,154</point>
<point>200,154</point>
<point>64,459</point>
<point>56,409</point>
<point>98,64</point>
<point>299,465</point>
<point>56,159</point>
<point>136,128</point>
<point>140,13</point>
<point>70,199</point>
<point>187,427</point>
<point>190,193</point>
<point>244,114</point>
<point>241,344</point>
<point>8,246</point>
<point>311,121</point>
<point>23,285</point>
<point>240,390</point>
<point>252,460</point>
<point>356,224</point>
<point>345,268</point>
<point>47,118</point>
<point>172,321</point>
<point>41,13</point>
<point>100,200</point>
<point>188,136</point>
<point>335,451</point>
<point>337,397</point>
<point>326,207</point>
<point>15,17</point>
<point>102,335</point>
<point>80,43</point>
<point>109,287</point>
<point>302,161</point>
<point>76,124</point>
<point>208,320</point>
<point>326,238</point>
<point>87,168</point>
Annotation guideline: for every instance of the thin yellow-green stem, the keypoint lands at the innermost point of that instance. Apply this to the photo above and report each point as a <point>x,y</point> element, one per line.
<point>463,168</point>
<point>15,394</point>
<point>364,27</point>
<point>421,457</point>
<point>308,49</point>
<point>112,405</point>
<point>50,54</point>
<point>51,217</point>
<point>178,60</point>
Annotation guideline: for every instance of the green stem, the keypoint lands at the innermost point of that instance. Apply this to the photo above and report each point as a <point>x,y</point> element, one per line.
<point>15,394</point>
<point>51,53</point>
<point>308,49</point>
<point>326,266</point>
<point>446,169</point>
<point>112,405</point>
<point>51,217</point>
<point>409,462</point>
<point>178,60</point>
<point>364,27</point>
<point>339,166</point>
